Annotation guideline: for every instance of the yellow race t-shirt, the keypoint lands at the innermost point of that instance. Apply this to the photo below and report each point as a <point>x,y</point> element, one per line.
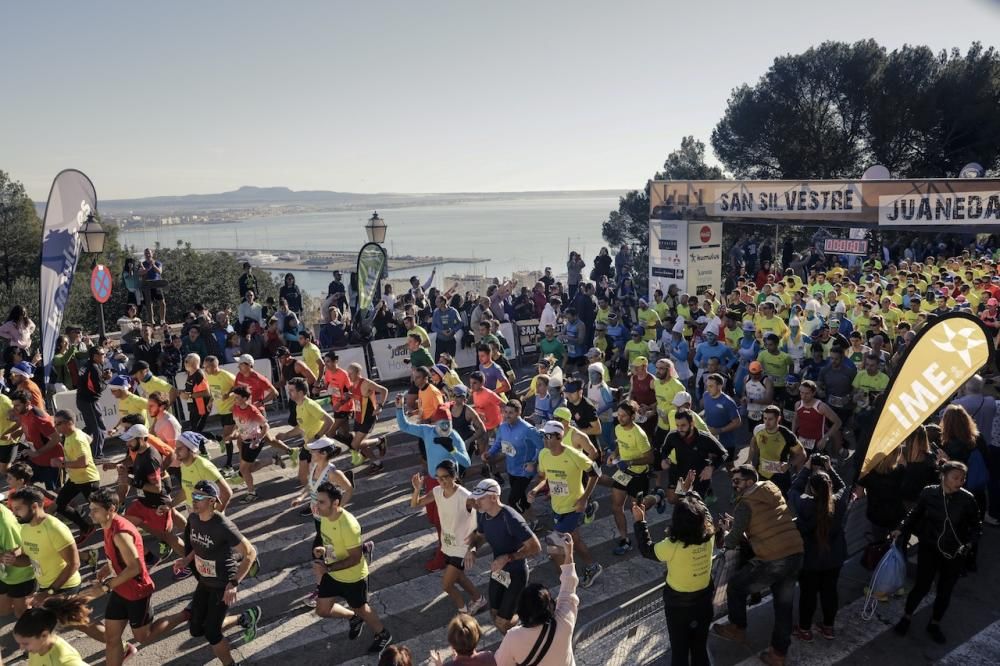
<point>665,392</point>
<point>154,384</point>
<point>199,469</point>
<point>5,423</point>
<point>133,404</point>
<point>344,534</point>
<point>564,474</point>
<point>310,418</point>
<point>632,444</point>
<point>689,568</point>
<point>75,445</point>
<point>60,654</point>
<point>649,320</point>
<point>311,357</point>
<point>42,544</point>
<point>219,385</point>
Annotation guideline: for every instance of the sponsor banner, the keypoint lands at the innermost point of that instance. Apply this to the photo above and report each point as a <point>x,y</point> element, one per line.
<point>941,358</point>
<point>940,208</point>
<point>107,406</point>
<point>668,255</point>
<point>528,335</point>
<point>799,199</point>
<point>388,355</point>
<point>71,200</point>
<point>704,265</point>
<point>845,246</point>
<point>371,266</point>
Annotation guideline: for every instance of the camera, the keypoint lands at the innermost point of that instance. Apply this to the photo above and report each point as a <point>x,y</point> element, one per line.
<point>818,460</point>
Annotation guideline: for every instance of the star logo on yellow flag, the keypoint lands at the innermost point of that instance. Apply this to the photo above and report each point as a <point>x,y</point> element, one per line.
<point>959,342</point>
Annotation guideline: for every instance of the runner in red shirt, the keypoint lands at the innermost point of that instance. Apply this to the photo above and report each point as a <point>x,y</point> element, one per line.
<point>261,388</point>
<point>338,386</point>
<point>40,431</point>
<point>126,581</point>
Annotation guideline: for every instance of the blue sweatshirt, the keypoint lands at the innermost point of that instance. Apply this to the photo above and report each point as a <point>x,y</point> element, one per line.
<point>521,443</point>
<point>448,319</point>
<point>436,454</point>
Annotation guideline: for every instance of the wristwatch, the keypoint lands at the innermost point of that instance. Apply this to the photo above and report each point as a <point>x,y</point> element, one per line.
<point>106,586</point>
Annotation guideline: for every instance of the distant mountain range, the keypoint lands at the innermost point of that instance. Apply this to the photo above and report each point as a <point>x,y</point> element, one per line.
<point>249,196</point>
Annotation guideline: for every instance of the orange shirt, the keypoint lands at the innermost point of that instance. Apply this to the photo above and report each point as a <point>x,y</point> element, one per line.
<point>37,400</point>
<point>489,406</point>
<point>430,398</point>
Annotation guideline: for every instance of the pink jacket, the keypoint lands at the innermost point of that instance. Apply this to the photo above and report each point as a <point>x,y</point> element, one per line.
<point>518,642</point>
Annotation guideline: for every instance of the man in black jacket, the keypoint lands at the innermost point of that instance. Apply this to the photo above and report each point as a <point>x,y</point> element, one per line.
<point>88,392</point>
<point>695,450</point>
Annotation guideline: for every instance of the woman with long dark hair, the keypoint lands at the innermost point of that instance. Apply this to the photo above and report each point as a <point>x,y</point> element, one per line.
<point>291,293</point>
<point>962,442</point>
<point>946,521</point>
<point>919,466</point>
<point>820,499</point>
<point>17,328</point>
<point>35,630</point>
<point>687,552</point>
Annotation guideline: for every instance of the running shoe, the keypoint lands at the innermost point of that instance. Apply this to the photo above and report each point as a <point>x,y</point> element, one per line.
<point>590,512</point>
<point>934,631</point>
<point>382,445</point>
<point>661,501</point>
<point>590,574</point>
<point>357,625</point>
<point>228,472</point>
<point>624,546</point>
<point>381,642</point>
<point>356,458</point>
<point>165,550</point>
<point>478,606</point>
<point>249,620</point>
<point>279,461</point>
<point>368,550</point>
<point>249,498</point>
<point>130,651</point>
<point>312,599</point>
<point>85,534</point>
<point>254,569</point>
<point>182,574</point>
<point>151,559</point>
<point>804,635</point>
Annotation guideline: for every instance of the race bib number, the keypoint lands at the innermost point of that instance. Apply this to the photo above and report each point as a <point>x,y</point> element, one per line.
<point>807,444</point>
<point>501,577</point>
<point>755,411</point>
<point>448,539</point>
<point>558,488</point>
<point>770,466</point>
<point>205,567</point>
<point>508,449</point>
<point>622,477</point>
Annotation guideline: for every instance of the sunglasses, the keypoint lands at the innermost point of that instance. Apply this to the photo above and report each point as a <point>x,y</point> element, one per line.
<point>198,497</point>
<point>548,435</point>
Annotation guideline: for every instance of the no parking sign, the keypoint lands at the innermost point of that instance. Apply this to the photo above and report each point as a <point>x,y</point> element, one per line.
<point>100,283</point>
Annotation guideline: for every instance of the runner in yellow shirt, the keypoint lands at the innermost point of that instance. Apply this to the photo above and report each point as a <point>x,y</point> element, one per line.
<point>632,459</point>
<point>8,445</point>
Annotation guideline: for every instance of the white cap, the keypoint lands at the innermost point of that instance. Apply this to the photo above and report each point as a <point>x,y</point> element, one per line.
<point>840,307</point>
<point>596,367</point>
<point>681,398</point>
<point>321,443</point>
<point>678,326</point>
<point>135,432</point>
<point>713,327</point>
<point>653,346</point>
<point>245,358</point>
<point>811,306</point>
<point>553,428</point>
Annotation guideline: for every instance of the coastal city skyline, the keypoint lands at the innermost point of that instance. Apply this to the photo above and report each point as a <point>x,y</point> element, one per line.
<point>351,98</point>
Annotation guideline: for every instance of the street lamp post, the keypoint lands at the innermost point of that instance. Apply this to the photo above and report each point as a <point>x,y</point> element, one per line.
<point>92,238</point>
<point>376,229</point>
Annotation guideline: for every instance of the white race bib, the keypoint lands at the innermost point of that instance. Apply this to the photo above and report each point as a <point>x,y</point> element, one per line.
<point>807,444</point>
<point>501,577</point>
<point>508,449</point>
<point>205,567</point>
<point>448,539</point>
<point>755,411</point>
<point>558,488</point>
<point>770,466</point>
<point>622,477</point>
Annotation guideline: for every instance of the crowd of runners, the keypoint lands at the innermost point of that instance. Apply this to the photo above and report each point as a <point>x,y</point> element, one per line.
<point>768,388</point>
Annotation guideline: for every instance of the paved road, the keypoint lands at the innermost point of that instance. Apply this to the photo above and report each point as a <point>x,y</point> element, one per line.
<point>413,607</point>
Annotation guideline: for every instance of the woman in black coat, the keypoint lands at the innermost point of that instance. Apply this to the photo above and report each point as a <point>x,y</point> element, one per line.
<point>291,293</point>
<point>820,499</point>
<point>602,266</point>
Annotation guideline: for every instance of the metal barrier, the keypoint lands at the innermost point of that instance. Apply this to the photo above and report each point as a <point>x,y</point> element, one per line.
<point>635,633</point>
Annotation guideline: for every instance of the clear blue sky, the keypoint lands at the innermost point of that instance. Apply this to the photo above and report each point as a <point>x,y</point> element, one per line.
<point>406,96</point>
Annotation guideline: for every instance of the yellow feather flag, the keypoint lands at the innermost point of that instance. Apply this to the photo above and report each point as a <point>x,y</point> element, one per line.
<point>946,352</point>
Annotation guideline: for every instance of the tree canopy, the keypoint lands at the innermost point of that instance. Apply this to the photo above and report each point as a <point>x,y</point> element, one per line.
<point>838,108</point>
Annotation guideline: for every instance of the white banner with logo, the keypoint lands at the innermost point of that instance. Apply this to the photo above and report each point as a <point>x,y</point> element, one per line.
<point>757,199</point>
<point>939,208</point>
<point>668,255</point>
<point>704,264</point>
<point>107,406</point>
<point>389,354</point>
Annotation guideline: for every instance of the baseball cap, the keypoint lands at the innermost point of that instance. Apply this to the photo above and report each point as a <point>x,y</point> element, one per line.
<point>245,358</point>
<point>562,413</point>
<point>441,369</point>
<point>638,330</point>
<point>207,488</point>
<point>596,367</point>
<point>136,431</point>
<point>573,386</point>
<point>640,360</point>
<point>461,390</point>
<point>321,443</point>
<point>792,378</point>
<point>192,440</point>
<point>139,366</point>
<point>544,361</point>
<point>755,367</point>
<point>553,428</point>
<point>748,327</point>
<point>594,352</point>
<point>486,487</point>
<point>24,369</point>
<point>681,398</point>
<point>120,381</point>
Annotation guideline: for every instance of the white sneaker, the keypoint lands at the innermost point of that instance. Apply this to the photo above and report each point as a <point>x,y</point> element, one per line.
<point>477,606</point>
